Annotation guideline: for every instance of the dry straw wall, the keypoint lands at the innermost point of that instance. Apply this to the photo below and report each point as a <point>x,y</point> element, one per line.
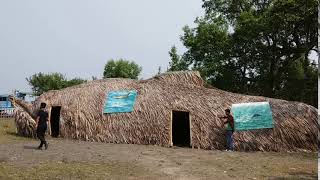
<point>82,115</point>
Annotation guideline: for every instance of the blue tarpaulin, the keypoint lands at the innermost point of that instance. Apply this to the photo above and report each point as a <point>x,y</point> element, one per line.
<point>255,115</point>
<point>120,101</point>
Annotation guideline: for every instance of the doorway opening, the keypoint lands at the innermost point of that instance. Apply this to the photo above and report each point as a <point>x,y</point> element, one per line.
<point>55,120</point>
<point>181,129</point>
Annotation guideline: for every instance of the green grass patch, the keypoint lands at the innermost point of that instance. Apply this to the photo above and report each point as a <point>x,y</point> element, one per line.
<point>8,131</point>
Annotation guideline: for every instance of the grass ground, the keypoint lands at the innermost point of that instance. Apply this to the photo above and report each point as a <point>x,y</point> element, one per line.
<point>8,132</point>
<point>67,159</point>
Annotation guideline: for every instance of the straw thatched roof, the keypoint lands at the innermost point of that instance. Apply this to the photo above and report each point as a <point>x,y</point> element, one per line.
<point>295,124</point>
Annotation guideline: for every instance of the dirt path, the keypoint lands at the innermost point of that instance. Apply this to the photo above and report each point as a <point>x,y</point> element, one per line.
<point>163,163</point>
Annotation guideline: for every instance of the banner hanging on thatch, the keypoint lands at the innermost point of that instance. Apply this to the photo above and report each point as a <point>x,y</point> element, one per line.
<point>120,101</point>
<point>255,115</point>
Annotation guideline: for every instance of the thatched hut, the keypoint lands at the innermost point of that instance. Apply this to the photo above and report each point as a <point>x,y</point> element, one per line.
<point>77,112</point>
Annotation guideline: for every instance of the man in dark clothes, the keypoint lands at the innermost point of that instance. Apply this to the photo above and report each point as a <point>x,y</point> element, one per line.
<point>230,129</point>
<point>41,125</point>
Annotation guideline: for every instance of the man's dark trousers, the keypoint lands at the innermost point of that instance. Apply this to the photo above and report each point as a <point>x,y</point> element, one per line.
<point>41,135</point>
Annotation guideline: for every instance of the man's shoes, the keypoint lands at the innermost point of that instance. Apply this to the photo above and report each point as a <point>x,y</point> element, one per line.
<point>46,146</point>
<point>39,148</point>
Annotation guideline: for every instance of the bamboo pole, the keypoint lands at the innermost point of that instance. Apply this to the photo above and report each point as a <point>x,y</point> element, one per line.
<point>49,120</point>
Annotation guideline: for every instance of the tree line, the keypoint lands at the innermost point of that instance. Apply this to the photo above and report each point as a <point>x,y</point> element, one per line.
<point>43,82</point>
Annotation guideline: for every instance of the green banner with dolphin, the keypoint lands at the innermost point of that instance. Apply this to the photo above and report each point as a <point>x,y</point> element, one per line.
<point>254,115</point>
<point>120,101</point>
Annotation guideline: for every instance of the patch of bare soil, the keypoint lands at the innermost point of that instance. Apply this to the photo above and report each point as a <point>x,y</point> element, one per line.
<point>118,161</point>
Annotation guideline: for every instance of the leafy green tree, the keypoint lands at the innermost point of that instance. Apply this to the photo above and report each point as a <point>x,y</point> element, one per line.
<point>73,82</point>
<point>256,47</point>
<point>177,63</point>
<point>121,69</point>
<point>42,82</point>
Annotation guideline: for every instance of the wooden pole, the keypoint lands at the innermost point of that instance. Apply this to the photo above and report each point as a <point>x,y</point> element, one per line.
<point>170,133</point>
<point>49,120</point>
<point>190,125</point>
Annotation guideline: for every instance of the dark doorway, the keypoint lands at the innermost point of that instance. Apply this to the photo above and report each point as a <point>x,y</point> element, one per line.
<point>180,128</point>
<point>55,120</point>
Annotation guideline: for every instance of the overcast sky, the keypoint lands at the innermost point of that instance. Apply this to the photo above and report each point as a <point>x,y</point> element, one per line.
<point>77,37</point>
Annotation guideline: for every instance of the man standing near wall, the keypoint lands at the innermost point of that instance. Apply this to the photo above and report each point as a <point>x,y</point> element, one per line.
<point>230,129</point>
